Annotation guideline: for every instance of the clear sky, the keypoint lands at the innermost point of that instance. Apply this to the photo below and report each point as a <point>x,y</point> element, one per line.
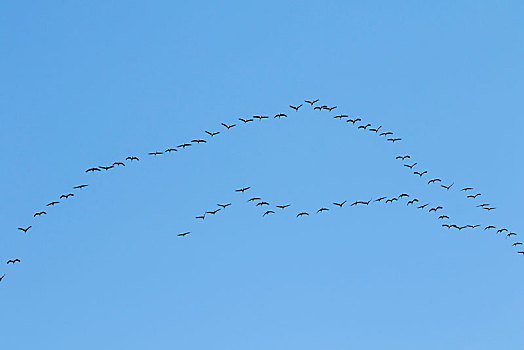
<point>86,84</point>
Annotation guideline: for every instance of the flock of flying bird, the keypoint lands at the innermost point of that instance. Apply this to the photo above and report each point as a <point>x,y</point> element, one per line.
<point>387,135</point>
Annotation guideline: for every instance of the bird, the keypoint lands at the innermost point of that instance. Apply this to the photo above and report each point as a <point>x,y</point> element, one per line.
<point>502,230</point>
<point>339,204</point>
<point>155,153</point>
<point>67,195</point>
<point>224,205</point>
<point>420,173</point>
<point>262,203</point>
<point>391,200</point>
<point>488,209</point>
<point>243,189</point>
<point>311,102</point>
<point>269,212</point>
<point>467,188</point>
<point>106,168</point>
<point>131,158</point>
<point>364,126</point>
<point>169,150</point>
<point>403,195</point>
<point>394,139</point>
<point>199,141</point>
<point>353,120</point>
<point>386,133</point>
<point>514,244</point>
<point>379,199</point>
<point>511,234</point>
<point>184,234</point>
<point>39,213</point>
<point>228,126</point>
<point>253,199</point>
<point>302,213</point>
<point>489,227</point>
<point>473,195</point>
<point>213,212</point>
<point>119,163</point>
<point>403,157</point>
<point>423,206</point>
<point>435,209</point>
<point>375,129</point>
<point>340,116</point>
<point>200,217</point>
<point>446,225</point>
<point>520,252</point>
<point>443,217</point>
<point>473,226</point>
<point>433,181</point>
<point>280,115</point>
<point>24,229</point>
<point>79,187</point>
<point>52,203</point>
<point>447,187</point>
<point>260,117</point>
<point>92,169</point>
<point>322,209</point>
<point>461,227</point>
<point>482,205</point>
<point>212,133</point>
<point>283,206</point>
<point>320,107</point>
<point>13,261</point>
<point>245,120</point>
<point>295,107</point>
<point>331,108</point>
<point>412,201</point>
<point>184,145</point>
<point>410,166</point>
<point>1,278</point>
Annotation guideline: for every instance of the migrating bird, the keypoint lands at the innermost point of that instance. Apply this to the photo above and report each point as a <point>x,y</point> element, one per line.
<point>435,209</point>
<point>447,187</point>
<point>403,157</point>
<point>446,225</point>
<point>354,120</point>
<point>169,150</point>
<point>228,126</point>
<point>473,226</point>
<point>391,200</point>
<point>245,120</point>
<point>483,205</point>
<point>302,213</point>
<point>394,139</point>
<point>520,252</point>
<point>131,158</point>
<point>199,141</point>
<point>200,217</point>
<point>412,201</point>
<point>269,212</point>
<point>212,133</point>
<point>502,230</point>
<point>80,187</point>
<point>331,108</point>
<point>489,227</point>
<point>39,213</point>
<point>280,115</point>
<point>262,203</point>
<point>243,189</point>
<point>403,195</point>
<point>184,145</point>
<point>213,212</point>
<point>423,206</point>
<point>511,234</point>
<point>13,261</point>
<point>92,169</point>
<point>154,153</point>
<point>322,209</point>
<point>311,102</point>
<point>410,166</point>
<point>183,234</point>
<point>386,133</point>
<point>106,168</point>
<point>473,196</point>
<point>379,199</point>
<point>443,217</point>
<point>467,188</point>
<point>283,206</point>
<point>433,181</point>
<point>339,204</point>
<point>517,243</point>
<point>1,278</point>
<point>119,163</point>
<point>260,117</point>
<point>254,199</point>
<point>488,209</point>
<point>24,229</point>
<point>364,126</point>
<point>340,116</point>
<point>420,173</point>
<point>296,108</point>
<point>375,129</point>
<point>67,195</point>
<point>224,205</point>
<point>52,203</point>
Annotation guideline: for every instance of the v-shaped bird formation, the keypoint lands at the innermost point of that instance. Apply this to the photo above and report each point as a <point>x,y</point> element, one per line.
<point>269,209</point>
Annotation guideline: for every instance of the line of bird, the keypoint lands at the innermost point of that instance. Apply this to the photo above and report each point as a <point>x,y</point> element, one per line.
<point>388,136</point>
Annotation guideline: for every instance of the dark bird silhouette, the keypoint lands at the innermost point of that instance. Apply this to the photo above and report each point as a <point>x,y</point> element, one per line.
<point>473,226</point>
<point>200,217</point>
<point>24,229</point>
<point>520,252</point>
<point>502,230</point>
<point>67,195</point>
<point>13,261</point>
<point>488,209</point>
<point>403,195</point>
<point>169,150</point>
<point>311,102</point>
<point>447,187</point>
<point>483,205</point>
<point>467,188</point>
<point>295,108</point>
<point>331,108</point>
<point>446,225</point>
<point>423,206</point>
<point>517,243</point>
<point>473,195</point>
<point>39,213</point>
<point>269,212</point>
<point>366,203</point>
<point>183,234</point>
<point>322,209</point>
<point>320,107</point>
<point>403,157</point>
<point>391,200</point>
<point>420,173</point>
<point>339,204</point>
<point>52,203</point>
<point>92,169</point>
<point>224,205</point>
<point>199,141</point>
<point>212,133</point>
<point>280,115</point>
<point>1,278</point>
<point>412,201</point>
<point>353,121</point>
<point>386,133</point>
<point>79,187</point>
<point>461,227</point>
<point>375,129</point>
<point>228,126</point>
<point>260,117</point>
<point>283,206</point>
<point>340,116</point>
<point>262,203</point>
<point>106,168</point>
<point>443,217</point>
<point>395,139</point>
<point>213,212</point>
<point>489,227</point>
<point>245,120</point>
<point>131,158</point>
<point>254,199</point>
<point>435,209</point>
<point>364,126</point>
<point>433,181</point>
<point>184,145</point>
<point>302,213</point>
<point>243,189</point>
<point>119,164</point>
<point>410,166</point>
<point>511,234</point>
<point>155,153</point>
<point>379,199</point>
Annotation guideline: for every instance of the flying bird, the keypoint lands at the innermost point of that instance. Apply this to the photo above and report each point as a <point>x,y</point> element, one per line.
<point>184,145</point>
<point>443,217</point>
<point>364,126</point>
<point>67,195</point>
<point>280,115</point>
<point>473,226</point>
<point>488,209</point>
<point>200,217</point>
<point>353,121</point>
<point>24,229</point>
<point>262,203</point>
<point>420,173</point>
<point>311,102</point>
<point>296,107</point>
<point>224,205</point>
<point>331,108</point>
<point>410,166</point>
<point>473,195</point>
<point>228,126</point>
<point>375,129</point>
<point>340,116</point>
<point>403,157</point>
<point>511,234</point>
<point>322,209</point>
<point>423,206</point>
<point>245,120</point>
<point>269,212</point>
<point>489,227</point>
<point>253,199</point>
<point>92,169</point>
<point>39,213</point>
<point>1,278</point>
<point>199,141</point>
<point>447,187</point>
<point>52,203</point>
<point>514,244</point>
<point>302,213</point>
<point>391,200</point>
<point>386,133</point>
<point>13,261</point>
<point>502,230</point>
<point>154,153</point>
<point>119,164</point>
<point>412,201</point>
<point>80,187</point>
<point>403,195</point>
<point>243,189</point>
<point>283,206</point>
<point>433,181</point>
<point>131,158</point>
<point>467,188</point>
<point>106,168</point>
<point>379,199</point>
<point>435,209</point>
<point>483,205</point>
<point>339,204</point>
<point>394,139</point>
<point>212,133</point>
<point>260,117</point>
<point>213,212</point>
<point>184,234</point>
<point>520,252</point>
<point>169,150</point>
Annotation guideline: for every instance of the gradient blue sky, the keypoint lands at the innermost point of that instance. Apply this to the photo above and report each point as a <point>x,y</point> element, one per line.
<point>89,83</point>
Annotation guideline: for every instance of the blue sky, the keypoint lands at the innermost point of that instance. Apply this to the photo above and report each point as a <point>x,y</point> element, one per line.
<point>87,84</point>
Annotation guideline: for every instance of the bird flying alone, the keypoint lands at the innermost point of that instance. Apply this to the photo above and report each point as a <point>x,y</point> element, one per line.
<point>12,261</point>
<point>24,229</point>
<point>183,234</point>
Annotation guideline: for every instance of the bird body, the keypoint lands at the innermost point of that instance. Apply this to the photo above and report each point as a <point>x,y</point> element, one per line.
<point>13,261</point>
<point>24,229</point>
